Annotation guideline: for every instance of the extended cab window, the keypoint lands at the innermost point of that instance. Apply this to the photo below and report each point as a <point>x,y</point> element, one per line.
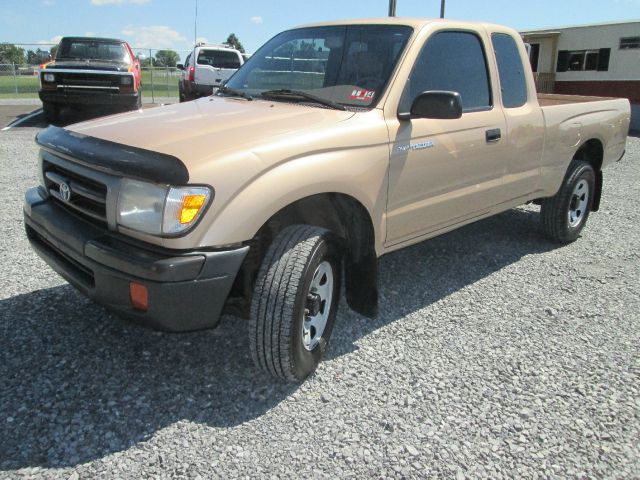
<point>219,59</point>
<point>512,79</point>
<point>455,62</point>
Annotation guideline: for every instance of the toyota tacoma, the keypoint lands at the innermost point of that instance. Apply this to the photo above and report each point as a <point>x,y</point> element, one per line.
<point>334,144</point>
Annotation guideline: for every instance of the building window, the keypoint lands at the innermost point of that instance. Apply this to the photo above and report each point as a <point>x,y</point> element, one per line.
<point>591,60</point>
<point>576,61</point>
<point>627,43</point>
<point>583,60</point>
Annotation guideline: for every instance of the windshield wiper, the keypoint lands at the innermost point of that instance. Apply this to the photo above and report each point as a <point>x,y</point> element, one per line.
<point>234,93</point>
<point>285,92</point>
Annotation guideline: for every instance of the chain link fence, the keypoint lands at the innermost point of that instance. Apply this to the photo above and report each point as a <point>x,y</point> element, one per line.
<point>20,80</point>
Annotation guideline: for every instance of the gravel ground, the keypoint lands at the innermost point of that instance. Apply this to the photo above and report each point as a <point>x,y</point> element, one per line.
<point>496,354</point>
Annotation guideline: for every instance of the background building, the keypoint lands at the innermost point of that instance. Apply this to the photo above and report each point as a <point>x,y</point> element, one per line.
<point>601,59</point>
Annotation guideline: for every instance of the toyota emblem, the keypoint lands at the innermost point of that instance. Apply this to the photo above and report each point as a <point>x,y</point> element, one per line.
<point>65,192</point>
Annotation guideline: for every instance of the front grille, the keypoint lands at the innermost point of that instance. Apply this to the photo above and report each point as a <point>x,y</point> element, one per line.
<point>88,80</point>
<point>86,196</point>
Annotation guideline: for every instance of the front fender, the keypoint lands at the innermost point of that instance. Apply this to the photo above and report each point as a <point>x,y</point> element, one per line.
<point>359,172</point>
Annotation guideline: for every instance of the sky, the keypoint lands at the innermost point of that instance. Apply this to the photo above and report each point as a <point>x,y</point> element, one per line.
<point>170,23</point>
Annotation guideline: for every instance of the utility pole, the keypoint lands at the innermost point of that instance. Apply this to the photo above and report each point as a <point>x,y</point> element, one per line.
<point>392,8</point>
<point>442,2</point>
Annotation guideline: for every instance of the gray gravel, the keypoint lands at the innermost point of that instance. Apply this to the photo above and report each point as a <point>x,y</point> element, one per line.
<point>496,354</point>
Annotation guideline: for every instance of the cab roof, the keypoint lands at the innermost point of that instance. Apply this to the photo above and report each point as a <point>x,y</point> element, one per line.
<point>416,23</point>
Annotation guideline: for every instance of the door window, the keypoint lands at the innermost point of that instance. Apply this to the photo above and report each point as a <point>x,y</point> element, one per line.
<point>451,61</point>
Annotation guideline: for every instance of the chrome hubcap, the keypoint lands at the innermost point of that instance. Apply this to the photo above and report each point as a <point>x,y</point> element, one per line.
<point>578,203</point>
<point>318,306</point>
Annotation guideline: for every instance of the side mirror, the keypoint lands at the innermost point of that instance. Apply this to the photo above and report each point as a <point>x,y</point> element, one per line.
<point>435,104</point>
<point>180,66</point>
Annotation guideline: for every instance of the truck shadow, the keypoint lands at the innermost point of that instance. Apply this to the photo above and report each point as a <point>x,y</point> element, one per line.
<point>67,116</point>
<point>78,384</point>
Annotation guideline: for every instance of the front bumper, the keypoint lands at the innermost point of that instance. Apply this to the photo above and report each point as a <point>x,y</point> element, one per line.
<point>186,290</point>
<point>89,97</point>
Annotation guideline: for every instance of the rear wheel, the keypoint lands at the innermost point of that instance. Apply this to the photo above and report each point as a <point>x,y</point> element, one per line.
<point>51,111</point>
<point>295,301</point>
<point>565,214</point>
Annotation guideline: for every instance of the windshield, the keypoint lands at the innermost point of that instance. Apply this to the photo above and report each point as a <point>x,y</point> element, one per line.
<point>350,65</point>
<point>92,50</point>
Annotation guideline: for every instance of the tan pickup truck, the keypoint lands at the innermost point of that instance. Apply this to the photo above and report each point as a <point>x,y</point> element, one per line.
<point>333,145</point>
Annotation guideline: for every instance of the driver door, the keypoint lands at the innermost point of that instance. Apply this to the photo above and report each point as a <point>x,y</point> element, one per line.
<point>444,172</point>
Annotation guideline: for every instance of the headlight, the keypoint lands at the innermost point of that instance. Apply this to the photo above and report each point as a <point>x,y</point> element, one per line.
<point>49,77</point>
<point>126,80</point>
<point>160,209</point>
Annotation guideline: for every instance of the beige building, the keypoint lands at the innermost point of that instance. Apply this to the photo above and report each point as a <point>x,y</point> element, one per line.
<point>600,59</point>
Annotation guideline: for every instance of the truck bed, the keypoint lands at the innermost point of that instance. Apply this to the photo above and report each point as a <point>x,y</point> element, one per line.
<point>569,120</point>
<point>548,99</point>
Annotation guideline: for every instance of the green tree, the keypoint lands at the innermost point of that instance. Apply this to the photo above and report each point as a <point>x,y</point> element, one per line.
<point>9,53</point>
<point>233,42</point>
<point>166,58</point>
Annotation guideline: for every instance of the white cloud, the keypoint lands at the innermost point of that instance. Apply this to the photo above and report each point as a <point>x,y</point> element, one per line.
<point>48,3</point>
<point>89,34</point>
<point>156,36</point>
<point>52,41</point>
<point>117,2</point>
<point>257,20</point>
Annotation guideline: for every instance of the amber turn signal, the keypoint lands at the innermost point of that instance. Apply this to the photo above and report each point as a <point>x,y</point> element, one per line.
<point>191,205</point>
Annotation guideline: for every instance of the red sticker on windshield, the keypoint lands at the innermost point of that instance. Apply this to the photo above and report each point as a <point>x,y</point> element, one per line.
<point>359,94</point>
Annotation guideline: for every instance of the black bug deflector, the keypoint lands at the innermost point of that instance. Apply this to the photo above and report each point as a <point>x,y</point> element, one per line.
<point>114,158</point>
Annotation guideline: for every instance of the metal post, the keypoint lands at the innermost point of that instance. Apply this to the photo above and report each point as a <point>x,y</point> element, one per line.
<point>167,77</point>
<point>442,2</point>
<point>151,72</point>
<point>15,79</point>
<point>392,8</point>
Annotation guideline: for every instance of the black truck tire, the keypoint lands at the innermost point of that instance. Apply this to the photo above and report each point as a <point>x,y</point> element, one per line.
<point>295,300</point>
<point>565,214</point>
<point>51,111</point>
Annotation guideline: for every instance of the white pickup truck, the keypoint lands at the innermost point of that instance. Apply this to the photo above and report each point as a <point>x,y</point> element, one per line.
<point>375,135</point>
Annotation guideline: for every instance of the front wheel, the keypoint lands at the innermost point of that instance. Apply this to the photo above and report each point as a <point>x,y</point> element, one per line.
<point>295,301</point>
<point>565,214</point>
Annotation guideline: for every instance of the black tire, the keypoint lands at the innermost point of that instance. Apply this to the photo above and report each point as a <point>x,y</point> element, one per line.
<point>555,211</point>
<point>279,305</point>
<point>51,112</point>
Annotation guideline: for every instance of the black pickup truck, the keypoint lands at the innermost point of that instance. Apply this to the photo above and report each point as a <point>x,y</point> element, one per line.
<point>94,72</point>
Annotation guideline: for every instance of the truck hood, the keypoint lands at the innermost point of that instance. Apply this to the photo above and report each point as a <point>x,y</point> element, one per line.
<point>113,66</point>
<point>214,127</point>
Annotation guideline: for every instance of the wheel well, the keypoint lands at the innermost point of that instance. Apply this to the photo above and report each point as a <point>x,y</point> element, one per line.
<point>349,220</point>
<point>592,152</point>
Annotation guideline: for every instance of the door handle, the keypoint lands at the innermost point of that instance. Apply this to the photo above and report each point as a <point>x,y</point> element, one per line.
<point>493,135</point>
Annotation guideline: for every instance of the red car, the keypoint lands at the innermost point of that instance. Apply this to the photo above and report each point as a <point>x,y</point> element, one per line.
<point>90,72</point>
